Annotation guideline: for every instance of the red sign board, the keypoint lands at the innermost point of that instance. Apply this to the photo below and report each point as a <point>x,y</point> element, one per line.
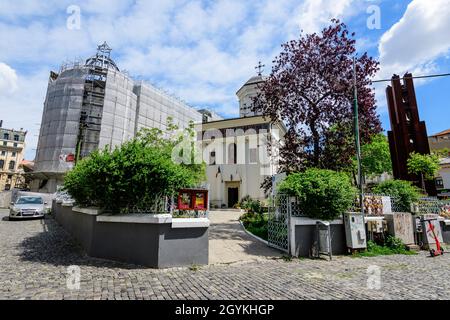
<point>193,199</point>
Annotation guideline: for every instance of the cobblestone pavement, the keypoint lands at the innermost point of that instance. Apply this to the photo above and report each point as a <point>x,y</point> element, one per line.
<point>34,256</point>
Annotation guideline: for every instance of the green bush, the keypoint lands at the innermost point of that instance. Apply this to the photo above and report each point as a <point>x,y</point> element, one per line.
<point>391,246</point>
<point>137,175</point>
<point>251,205</point>
<point>255,223</point>
<point>404,193</point>
<point>322,194</point>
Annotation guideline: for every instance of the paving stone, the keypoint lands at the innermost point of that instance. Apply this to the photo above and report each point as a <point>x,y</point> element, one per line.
<point>35,254</point>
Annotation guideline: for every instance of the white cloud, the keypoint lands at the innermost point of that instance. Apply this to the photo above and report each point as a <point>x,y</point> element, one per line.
<point>8,79</point>
<point>418,38</point>
<point>23,107</point>
<point>314,14</point>
<point>414,43</point>
<point>202,51</point>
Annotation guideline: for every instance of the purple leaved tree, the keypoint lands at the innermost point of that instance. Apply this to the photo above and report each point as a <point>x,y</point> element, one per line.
<point>310,89</point>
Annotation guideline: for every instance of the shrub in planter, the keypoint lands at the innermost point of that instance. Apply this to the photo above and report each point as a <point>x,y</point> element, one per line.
<point>251,205</point>
<point>404,192</point>
<point>137,174</point>
<point>322,194</point>
<point>255,223</point>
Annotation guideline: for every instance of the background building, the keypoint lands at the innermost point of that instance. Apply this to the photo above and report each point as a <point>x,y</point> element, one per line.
<point>440,140</point>
<point>12,145</point>
<point>94,105</point>
<point>443,178</point>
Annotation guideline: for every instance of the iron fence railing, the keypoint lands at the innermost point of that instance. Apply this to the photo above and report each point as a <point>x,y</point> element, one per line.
<point>157,205</point>
<point>433,206</point>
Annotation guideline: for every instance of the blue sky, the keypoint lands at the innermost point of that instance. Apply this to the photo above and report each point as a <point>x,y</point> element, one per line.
<point>203,51</point>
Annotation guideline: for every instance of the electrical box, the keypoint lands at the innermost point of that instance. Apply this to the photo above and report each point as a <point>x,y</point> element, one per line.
<point>355,230</point>
<point>376,226</point>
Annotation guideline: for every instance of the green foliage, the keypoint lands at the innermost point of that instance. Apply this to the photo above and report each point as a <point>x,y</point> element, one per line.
<point>135,175</point>
<point>376,157</point>
<point>403,191</point>
<point>425,164</point>
<point>391,246</point>
<point>255,223</point>
<point>442,153</point>
<point>323,194</point>
<point>251,205</point>
<point>394,243</point>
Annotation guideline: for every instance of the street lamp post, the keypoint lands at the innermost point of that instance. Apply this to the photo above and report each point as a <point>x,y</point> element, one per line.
<point>357,141</point>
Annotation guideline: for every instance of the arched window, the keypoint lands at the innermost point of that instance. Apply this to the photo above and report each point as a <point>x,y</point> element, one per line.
<point>12,165</point>
<point>232,153</point>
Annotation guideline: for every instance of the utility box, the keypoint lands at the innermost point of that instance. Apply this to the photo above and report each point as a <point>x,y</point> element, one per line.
<point>400,225</point>
<point>355,230</point>
<point>323,239</point>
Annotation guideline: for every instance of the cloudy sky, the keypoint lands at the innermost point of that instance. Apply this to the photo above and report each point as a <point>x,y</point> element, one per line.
<point>203,51</point>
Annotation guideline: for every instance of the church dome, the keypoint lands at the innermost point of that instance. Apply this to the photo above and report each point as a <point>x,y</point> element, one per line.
<point>255,79</point>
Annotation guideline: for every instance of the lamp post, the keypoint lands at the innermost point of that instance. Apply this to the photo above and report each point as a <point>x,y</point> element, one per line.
<point>356,133</point>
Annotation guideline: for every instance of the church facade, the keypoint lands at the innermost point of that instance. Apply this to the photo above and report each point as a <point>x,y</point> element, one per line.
<point>237,152</point>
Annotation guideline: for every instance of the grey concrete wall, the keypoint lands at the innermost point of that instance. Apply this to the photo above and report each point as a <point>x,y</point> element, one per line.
<point>445,232</point>
<point>156,245</point>
<point>305,237</point>
<point>80,226</point>
<point>127,242</point>
<point>183,246</point>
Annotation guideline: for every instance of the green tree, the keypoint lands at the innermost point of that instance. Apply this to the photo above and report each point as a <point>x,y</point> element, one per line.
<point>442,153</point>
<point>403,192</point>
<point>424,165</point>
<point>138,174</point>
<point>322,194</point>
<point>376,157</point>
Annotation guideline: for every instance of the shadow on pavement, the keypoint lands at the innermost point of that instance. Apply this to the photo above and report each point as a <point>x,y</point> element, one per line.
<point>56,247</point>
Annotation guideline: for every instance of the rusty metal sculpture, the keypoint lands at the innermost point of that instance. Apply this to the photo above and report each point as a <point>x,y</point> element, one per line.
<point>408,134</point>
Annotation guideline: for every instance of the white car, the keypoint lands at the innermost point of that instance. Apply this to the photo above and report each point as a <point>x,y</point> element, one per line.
<point>27,207</point>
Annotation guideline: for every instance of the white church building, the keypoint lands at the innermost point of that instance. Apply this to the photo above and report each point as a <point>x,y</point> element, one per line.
<point>236,152</point>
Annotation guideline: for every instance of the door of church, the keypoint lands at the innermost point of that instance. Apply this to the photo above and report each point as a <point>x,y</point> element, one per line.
<point>233,197</point>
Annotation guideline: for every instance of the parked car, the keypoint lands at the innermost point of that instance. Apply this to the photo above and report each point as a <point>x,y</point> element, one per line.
<point>27,207</point>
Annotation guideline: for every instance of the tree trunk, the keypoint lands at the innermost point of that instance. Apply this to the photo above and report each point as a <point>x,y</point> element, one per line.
<point>316,144</point>
<point>423,183</point>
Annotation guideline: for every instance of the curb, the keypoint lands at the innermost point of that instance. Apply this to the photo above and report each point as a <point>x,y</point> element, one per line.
<point>251,234</point>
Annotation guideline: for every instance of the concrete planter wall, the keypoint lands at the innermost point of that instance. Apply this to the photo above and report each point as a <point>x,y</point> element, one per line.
<point>445,228</point>
<point>157,241</point>
<point>302,235</point>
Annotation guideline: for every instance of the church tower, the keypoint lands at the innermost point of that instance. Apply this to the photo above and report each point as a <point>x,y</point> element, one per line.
<point>248,91</point>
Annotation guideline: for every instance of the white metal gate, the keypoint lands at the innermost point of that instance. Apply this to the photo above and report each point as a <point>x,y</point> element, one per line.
<point>278,223</point>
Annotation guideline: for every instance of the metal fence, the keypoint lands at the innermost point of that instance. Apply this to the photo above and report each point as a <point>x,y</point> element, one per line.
<point>433,206</point>
<point>283,207</point>
<point>279,215</point>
